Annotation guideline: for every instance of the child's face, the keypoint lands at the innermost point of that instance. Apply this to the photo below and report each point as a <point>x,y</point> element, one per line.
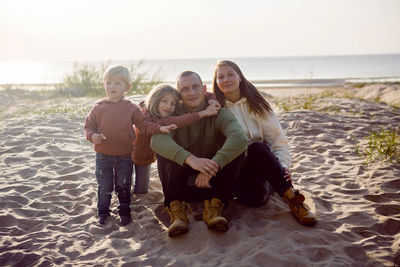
<point>167,105</point>
<point>115,88</point>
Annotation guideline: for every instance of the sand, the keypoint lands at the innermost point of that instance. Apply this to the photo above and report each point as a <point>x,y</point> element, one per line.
<point>48,197</point>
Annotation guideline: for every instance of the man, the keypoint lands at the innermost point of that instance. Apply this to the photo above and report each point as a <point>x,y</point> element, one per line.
<point>208,152</point>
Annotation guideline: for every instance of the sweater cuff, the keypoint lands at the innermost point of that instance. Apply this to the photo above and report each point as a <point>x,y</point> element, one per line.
<point>222,161</point>
<point>181,156</point>
<point>89,137</point>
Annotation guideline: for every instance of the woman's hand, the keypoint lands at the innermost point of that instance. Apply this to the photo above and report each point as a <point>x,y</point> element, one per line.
<point>98,138</point>
<point>288,175</point>
<point>203,165</point>
<point>168,128</point>
<point>203,180</point>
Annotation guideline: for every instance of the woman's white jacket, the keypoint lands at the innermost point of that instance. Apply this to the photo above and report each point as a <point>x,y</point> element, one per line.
<point>258,129</point>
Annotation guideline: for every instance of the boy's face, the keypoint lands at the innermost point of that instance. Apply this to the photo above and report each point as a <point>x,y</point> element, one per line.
<point>192,92</point>
<point>115,88</point>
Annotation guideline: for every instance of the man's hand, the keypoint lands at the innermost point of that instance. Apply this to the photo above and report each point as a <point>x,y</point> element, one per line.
<point>98,138</point>
<point>288,175</point>
<point>166,129</point>
<point>203,165</point>
<point>203,180</point>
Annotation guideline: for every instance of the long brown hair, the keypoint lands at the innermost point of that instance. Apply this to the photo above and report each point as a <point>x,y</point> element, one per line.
<point>153,99</point>
<point>257,102</point>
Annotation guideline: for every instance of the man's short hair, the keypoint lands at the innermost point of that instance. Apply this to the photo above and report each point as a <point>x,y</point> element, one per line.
<point>187,73</point>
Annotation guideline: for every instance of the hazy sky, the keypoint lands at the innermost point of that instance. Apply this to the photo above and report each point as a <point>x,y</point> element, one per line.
<point>161,29</point>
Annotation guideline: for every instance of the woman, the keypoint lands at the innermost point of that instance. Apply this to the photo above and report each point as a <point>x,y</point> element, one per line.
<point>268,157</point>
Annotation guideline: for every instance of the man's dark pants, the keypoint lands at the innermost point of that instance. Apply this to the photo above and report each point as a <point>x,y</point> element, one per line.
<point>178,182</point>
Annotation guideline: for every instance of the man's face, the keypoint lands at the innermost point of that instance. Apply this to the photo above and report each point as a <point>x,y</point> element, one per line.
<point>192,92</point>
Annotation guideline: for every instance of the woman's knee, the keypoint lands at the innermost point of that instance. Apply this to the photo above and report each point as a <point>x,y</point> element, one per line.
<point>258,148</point>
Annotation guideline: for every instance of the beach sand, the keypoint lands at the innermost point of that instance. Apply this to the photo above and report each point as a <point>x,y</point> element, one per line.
<point>48,195</point>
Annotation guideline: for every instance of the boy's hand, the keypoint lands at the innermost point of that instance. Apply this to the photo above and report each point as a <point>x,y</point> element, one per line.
<point>168,128</point>
<point>211,110</point>
<point>203,180</point>
<point>98,138</point>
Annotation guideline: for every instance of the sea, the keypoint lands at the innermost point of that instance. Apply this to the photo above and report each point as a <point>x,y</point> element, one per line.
<point>264,70</point>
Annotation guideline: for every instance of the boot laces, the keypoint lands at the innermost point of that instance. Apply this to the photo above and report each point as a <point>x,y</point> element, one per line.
<point>178,211</point>
<point>297,203</point>
<point>213,211</point>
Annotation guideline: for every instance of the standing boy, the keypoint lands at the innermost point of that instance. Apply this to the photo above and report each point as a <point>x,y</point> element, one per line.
<point>109,126</point>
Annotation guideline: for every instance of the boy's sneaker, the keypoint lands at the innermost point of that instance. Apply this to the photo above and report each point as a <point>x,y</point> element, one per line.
<point>125,220</point>
<point>102,219</point>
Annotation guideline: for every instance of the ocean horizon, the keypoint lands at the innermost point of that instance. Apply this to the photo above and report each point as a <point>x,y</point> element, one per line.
<point>263,69</point>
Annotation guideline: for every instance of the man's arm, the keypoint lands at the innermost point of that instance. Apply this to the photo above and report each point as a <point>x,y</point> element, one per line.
<point>235,144</point>
<point>165,145</point>
<point>236,140</point>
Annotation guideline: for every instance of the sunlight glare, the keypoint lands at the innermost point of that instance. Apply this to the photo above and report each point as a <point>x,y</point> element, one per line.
<point>22,71</point>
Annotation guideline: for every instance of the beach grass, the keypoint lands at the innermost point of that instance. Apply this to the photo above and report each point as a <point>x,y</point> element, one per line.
<point>324,102</point>
<point>72,110</point>
<point>67,98</point>
<point>312,101</point>
<point>380,145</point>
<point>87,80</point>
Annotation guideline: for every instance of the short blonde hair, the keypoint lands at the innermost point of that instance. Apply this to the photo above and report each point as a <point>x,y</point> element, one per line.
<point>118,70</point>
<point>156,94</point>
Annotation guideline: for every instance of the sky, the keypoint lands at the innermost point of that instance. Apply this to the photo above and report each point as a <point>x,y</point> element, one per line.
<point>84,30</point>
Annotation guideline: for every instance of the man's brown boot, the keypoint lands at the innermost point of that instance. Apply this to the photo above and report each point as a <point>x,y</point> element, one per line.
<point>179,219</point>
<point>212,215</point>
<point>299,211</point>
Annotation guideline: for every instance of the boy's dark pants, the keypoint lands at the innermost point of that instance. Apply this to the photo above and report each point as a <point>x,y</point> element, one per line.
<point>178,182</point>
<point>113,171</point>
<point>259,170</point>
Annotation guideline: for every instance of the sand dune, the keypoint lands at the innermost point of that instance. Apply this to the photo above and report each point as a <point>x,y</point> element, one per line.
<point>48,198</point>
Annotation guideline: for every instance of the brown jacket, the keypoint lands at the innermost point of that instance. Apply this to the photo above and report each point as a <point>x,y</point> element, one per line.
<point>115,121</point>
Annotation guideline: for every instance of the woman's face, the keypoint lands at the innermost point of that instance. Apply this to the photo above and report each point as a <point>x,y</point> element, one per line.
<point>228,80</point>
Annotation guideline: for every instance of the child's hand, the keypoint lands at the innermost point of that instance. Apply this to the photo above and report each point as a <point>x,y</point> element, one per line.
<point>166,129</point>
<point>214,102</point>
<point>142,105</point>
<point>98,138</point>
<point>211,110</point>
